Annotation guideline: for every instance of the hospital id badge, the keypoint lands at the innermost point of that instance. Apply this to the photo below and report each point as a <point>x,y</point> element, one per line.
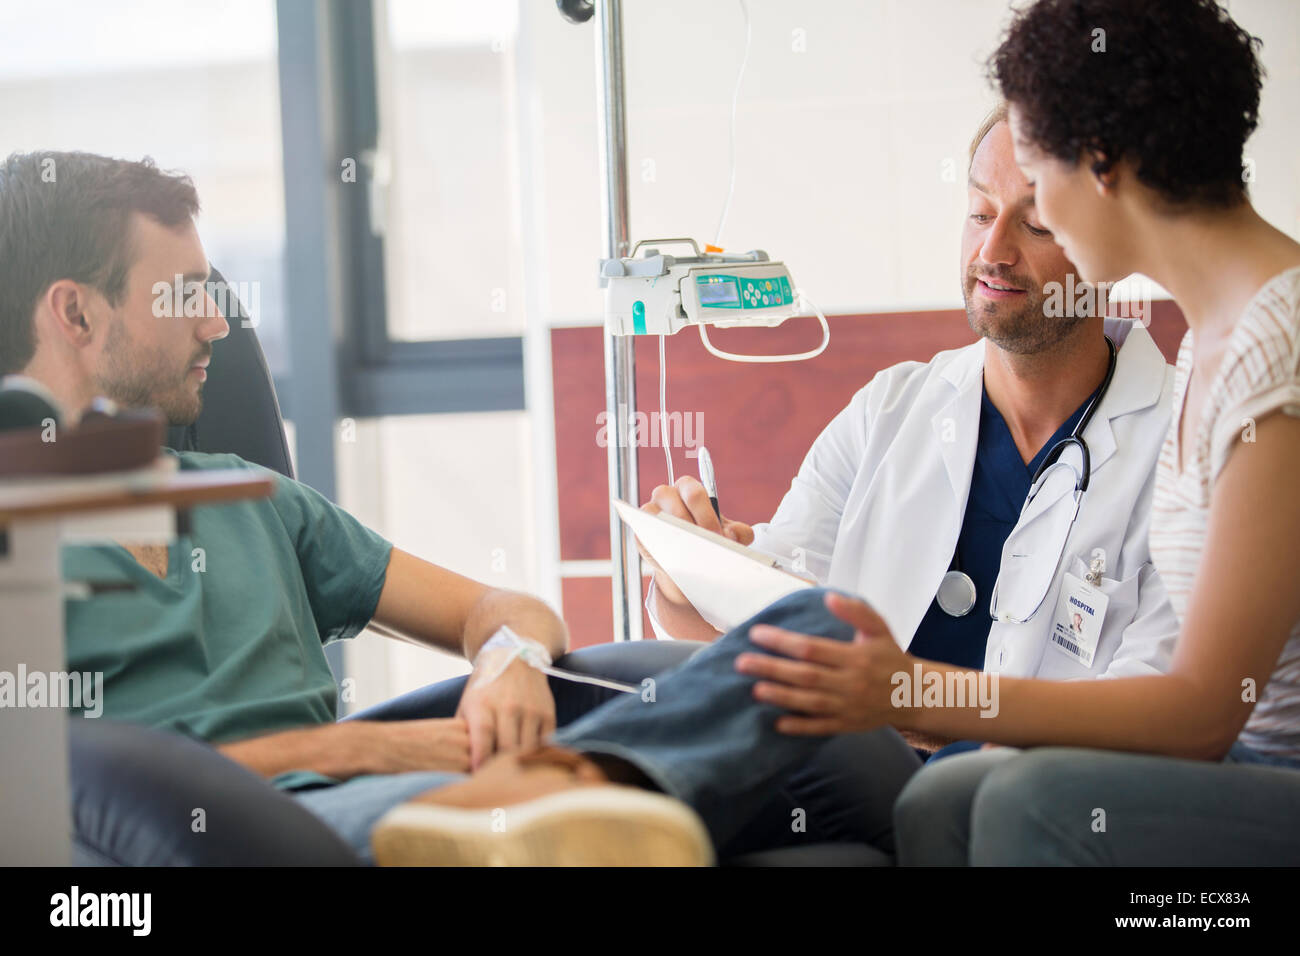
<point>1076,625</point>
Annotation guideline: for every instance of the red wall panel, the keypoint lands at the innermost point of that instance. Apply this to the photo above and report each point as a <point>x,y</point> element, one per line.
<point>588,610</point>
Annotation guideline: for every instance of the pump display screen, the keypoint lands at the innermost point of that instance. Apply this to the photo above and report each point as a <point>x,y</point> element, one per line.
<point>718,291</point>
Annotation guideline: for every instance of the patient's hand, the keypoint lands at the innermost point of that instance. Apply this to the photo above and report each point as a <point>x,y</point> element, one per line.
<point>513,711</point>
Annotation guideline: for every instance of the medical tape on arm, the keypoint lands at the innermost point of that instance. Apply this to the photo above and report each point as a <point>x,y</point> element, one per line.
<point>535,655</point>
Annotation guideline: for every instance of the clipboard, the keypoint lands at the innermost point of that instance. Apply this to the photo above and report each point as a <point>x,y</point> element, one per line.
<point>727,582</point>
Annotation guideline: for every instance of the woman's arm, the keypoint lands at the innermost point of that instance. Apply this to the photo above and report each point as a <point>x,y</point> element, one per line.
<point>1244,606</point>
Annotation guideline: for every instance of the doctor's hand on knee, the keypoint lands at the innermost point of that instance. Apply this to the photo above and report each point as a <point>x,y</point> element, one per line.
<point>831,687</point>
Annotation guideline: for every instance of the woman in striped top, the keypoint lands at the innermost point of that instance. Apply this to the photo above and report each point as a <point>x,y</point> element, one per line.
<point>1130,121</point>
<point>1134,146</point>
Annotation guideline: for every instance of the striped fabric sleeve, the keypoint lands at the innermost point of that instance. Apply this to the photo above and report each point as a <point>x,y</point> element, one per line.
<point>1262,374</point>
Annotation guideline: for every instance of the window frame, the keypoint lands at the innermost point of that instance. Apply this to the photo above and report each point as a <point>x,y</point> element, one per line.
<point>377,375</point>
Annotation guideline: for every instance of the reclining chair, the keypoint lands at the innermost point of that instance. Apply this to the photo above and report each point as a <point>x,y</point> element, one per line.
<point>134,789</point>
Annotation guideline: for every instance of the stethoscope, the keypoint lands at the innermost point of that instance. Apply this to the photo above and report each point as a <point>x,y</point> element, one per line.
<point>956,595</point>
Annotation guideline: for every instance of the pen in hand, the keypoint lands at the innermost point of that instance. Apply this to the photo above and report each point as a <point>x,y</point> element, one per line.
<point>709,480</point>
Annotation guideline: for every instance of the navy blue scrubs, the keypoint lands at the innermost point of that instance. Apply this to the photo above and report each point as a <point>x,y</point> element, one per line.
<point>998,488</point>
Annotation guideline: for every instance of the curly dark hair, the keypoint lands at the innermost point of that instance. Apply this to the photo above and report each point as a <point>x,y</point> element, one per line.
<point>1176,90</point>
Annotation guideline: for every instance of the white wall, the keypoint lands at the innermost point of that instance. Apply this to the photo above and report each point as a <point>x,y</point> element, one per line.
<point>453,490</point>
<point>841,148</point>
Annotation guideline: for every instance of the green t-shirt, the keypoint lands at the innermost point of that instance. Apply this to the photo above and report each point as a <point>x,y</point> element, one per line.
<point>231,644</point>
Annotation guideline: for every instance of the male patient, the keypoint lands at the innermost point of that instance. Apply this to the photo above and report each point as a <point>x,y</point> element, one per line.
<point>232,654</point>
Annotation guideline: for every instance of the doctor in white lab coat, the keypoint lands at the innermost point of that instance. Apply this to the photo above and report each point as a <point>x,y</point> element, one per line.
<point>879,502</point>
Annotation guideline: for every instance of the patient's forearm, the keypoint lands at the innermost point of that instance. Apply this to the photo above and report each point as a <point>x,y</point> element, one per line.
<point>431,605</point>
<point>522,613</point>
<point>335,750</point>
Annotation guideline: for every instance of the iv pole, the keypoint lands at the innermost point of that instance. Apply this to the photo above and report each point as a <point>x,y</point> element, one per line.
<point>620,355</point>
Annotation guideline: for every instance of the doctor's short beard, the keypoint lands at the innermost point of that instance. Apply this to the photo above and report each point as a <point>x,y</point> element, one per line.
<point>1019,327</point>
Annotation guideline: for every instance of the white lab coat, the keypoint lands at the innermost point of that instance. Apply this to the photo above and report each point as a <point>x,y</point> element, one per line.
<point>878,504</point>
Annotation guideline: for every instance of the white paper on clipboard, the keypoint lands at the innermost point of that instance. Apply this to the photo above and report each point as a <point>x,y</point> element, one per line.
<point>727,582</point>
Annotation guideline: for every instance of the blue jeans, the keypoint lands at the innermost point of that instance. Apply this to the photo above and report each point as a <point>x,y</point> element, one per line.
<point>700,736</point>
<point>1071,806</point>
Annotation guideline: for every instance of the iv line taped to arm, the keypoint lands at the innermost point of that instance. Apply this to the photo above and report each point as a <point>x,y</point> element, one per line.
<point>535,655</point>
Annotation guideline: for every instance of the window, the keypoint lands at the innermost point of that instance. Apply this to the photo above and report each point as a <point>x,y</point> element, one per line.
<point>446,168</point>
<point>429,214</point>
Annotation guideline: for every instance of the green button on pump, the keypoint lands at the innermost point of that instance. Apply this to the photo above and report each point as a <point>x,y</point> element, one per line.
<point>638,317</point>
